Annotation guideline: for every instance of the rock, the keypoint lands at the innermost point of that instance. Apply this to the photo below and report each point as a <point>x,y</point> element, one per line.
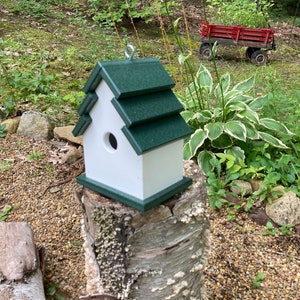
<point>285,210</point>
<point>255,184</point>
<point>2,115</point>
<point>241,188</point>
<point>11,125</point>
<point>73,155</point>
<point>259,216</point>
<point>65,133</point>
<point>35,124</point>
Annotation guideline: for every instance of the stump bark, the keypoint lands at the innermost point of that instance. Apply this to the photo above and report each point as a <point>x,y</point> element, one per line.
<point>20,273</point>
<point>157,254</point>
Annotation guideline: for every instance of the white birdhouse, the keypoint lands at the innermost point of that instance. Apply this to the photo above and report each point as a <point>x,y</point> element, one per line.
<point>132,133</point>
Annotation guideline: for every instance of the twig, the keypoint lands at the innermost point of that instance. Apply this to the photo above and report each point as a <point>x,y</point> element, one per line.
<point>284,254</point>
<point>80,170</point>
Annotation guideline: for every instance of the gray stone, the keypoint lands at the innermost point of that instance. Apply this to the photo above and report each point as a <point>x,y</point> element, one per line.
<point>285,210</point>
<point>11,125</point>
<point>35,124</point>
<point>241,188</point>
<point>255,184</point>
<point>65,133</point>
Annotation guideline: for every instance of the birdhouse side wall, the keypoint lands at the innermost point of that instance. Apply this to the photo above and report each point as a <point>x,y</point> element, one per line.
<point>162,167</point>
<point>120,167</point>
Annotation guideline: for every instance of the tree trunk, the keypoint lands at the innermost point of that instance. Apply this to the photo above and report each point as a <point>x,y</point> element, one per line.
<point>20,273</point>
<point>158,254</point>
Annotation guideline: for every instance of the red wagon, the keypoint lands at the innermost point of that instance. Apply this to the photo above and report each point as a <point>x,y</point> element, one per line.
<point>257,40</point>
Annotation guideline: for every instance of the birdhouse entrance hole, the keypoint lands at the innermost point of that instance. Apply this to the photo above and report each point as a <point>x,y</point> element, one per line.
<point>110,141</point>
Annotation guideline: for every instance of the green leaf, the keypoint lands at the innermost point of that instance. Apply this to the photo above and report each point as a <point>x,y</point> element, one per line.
<point>236,129</point>
<point>236,106</point>
<point>187,115</point>
<point>238,97</point>
<point>258,279</point>
<point>203,161</point>
<point>197,139</point>
<point>245,85</point>
<point>182,58</point>
<point>223,86</point>
<point>204,79</point>
<point>249,114</point>
<point>204,116</point>
<point>231,94</point>
<point>222,142</point>
<point>236,151</point>
<point>187,151</point>
<point>4,214</point>
<point>214,130</point>
<point>176,25</point>
<point>251,131</point>
<point>274,125</point>
<point>190,90</point>
<point>258,103</point>
<point>275,142</point>
<point>183,100</point>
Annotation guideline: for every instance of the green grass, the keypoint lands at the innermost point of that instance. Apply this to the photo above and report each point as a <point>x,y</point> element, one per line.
<point>66,39</point>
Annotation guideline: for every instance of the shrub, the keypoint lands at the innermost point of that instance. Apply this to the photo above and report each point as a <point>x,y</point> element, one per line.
<point>241,12</point>
<point>114,12</point>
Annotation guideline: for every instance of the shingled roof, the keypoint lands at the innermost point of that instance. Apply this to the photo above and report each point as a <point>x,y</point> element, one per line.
<point>142,97</point>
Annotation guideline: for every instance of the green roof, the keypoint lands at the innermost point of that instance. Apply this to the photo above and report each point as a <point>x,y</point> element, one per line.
<point>142,97</point>
<point>130,77</point>
<point>140,109</point>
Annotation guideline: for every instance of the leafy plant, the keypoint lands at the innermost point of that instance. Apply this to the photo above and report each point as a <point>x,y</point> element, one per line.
<point>218,186</point>
<point>17,86</point>
<point>114,12</point>
<point>266,192</point>
<point>53,294</point>
<point>258,280</point>
<point>4,214</point>
<point>270,229</point>
<point>34,156</point>
<point>2,130</point>
<point>5,166</point>
<point>36,9</point>
<point>241,12</point>
<point>224,117</point>
<point>286,229</point>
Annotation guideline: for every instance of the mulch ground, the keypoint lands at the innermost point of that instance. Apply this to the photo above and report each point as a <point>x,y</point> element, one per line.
<point>41,194</point>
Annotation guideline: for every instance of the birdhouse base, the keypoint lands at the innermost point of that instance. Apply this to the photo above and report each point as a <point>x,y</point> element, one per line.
<point>140,204</point>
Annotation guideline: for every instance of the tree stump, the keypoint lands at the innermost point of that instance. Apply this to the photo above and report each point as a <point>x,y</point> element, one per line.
<point>157,254</point>
<point>20,273</point>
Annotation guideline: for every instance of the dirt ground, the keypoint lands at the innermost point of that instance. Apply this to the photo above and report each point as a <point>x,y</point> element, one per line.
<point>42,195</point>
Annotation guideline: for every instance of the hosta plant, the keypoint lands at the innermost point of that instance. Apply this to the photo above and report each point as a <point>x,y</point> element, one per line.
<point>222,117</point>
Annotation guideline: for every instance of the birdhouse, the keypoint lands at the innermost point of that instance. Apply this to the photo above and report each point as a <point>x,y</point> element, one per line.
<point>132,133</point>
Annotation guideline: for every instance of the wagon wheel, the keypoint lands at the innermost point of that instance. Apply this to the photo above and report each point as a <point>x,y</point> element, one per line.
<point>250,51</point>
<point>259,57</point>
<point>205,51</point>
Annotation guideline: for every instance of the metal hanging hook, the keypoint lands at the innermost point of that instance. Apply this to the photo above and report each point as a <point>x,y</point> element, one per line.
<point>129,52</point>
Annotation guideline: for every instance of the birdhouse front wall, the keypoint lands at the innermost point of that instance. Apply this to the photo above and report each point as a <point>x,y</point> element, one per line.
<point>162,167</point>
<point>111,160</point>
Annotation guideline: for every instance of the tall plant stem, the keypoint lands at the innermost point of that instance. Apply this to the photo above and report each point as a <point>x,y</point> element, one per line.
<point>115,26</point>
<point>135,30</point>
<point>215,64</point>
